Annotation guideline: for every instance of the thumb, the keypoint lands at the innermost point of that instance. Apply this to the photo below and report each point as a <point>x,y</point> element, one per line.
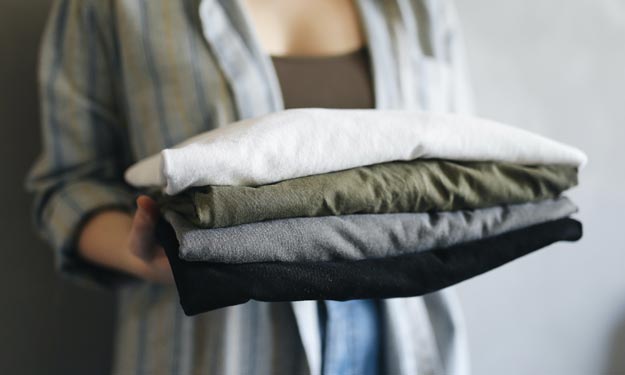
<point>142,239</point>
<point>148,205</point>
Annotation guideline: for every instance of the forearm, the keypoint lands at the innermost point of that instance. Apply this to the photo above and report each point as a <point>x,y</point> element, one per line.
<point>103,240</point>
<point>117,240</point>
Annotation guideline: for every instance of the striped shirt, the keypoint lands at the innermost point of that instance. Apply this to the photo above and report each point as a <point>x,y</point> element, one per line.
<point>122,79</point>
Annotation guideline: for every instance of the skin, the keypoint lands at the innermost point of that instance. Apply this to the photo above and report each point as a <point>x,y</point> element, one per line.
<point>126,242</point>
<point>117,240</point>
<point>304,27</point>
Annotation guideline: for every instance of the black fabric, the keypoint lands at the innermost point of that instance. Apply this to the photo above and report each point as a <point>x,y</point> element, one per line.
<point>204,286</point>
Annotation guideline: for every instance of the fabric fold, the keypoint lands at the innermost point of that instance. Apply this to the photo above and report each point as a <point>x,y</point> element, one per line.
<point>301,142</point>
<point>413,186</point>
<point>354,237</point>
<point>205,286</point>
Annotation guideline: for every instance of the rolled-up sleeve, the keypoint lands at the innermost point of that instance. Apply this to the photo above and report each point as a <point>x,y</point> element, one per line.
<point>83,142</point>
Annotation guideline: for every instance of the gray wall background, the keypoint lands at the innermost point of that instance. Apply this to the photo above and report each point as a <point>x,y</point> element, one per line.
<point>556,67</point>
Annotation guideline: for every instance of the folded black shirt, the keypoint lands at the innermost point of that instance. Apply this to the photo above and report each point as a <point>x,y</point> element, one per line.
<point>205,286</point>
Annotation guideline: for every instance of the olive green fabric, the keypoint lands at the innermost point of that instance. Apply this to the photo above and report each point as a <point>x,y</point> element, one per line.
<point>414,186</point>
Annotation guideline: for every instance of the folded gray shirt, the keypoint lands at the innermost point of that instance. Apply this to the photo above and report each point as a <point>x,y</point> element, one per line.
<point>353,237</point>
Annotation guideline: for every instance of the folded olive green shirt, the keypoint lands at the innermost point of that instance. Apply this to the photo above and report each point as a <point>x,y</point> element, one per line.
<point>415,186</point>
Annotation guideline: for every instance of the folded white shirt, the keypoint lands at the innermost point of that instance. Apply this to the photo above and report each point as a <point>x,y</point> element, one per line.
<point>306,141</point>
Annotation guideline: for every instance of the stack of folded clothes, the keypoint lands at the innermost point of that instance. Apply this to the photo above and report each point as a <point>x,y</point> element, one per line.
<point>313,203</point>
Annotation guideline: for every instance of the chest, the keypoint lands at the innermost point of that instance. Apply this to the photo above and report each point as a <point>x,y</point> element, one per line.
<point>184,69</point>
<point>304,27</point>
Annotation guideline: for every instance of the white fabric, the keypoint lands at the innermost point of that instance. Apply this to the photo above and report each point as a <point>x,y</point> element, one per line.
<point>306,141</point>
<point>308,322</point>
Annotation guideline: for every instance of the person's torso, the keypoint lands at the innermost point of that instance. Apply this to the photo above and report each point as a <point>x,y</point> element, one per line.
<point>175,82</point>
<point>185,67</point>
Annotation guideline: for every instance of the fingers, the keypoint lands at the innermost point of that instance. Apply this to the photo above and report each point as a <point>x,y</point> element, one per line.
<point>143,244</point>
<point>155,270</point>
<point>160,259</point>
<point>142,239</point>
<point>160,266</point>
<point>148,205</point>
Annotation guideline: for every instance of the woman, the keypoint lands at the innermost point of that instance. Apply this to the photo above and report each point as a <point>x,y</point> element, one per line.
<point>123,79</point>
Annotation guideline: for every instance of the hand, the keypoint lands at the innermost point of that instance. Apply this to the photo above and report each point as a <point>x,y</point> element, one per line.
<point>127,243</point>
<point>150,261</point>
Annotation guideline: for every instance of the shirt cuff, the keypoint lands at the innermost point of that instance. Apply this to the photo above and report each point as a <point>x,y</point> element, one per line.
<point>63,218</point>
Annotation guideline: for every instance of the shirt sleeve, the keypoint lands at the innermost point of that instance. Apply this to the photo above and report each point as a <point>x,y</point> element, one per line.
<point>83,142</point>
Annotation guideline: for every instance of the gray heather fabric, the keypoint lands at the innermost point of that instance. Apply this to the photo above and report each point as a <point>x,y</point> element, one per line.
<point>352,237</point>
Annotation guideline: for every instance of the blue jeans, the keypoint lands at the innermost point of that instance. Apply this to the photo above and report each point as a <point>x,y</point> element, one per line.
<point>351,337</point>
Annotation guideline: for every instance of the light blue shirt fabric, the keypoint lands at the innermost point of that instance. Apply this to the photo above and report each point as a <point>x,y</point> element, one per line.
<point>351,341</point>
